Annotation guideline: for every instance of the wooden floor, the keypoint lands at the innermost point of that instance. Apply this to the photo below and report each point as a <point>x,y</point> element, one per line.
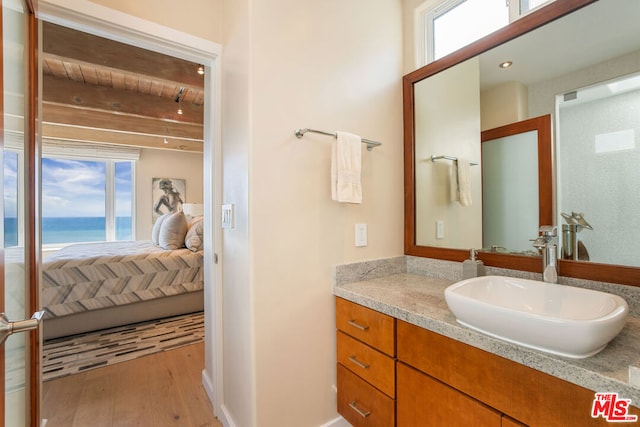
<point>164,389</point>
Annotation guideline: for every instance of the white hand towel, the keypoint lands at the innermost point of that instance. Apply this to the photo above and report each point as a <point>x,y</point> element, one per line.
<point>346,166</point>
<point>464,184</point>
<point>454,194</point>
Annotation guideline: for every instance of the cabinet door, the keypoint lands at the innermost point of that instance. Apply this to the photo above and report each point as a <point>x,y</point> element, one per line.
<point>423,401</point>
<point>510,422</point>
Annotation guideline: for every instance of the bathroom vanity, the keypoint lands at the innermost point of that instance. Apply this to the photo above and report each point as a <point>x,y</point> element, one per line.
<point>403,360</point>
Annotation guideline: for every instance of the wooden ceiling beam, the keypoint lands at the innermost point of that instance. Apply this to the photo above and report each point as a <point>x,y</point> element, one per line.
<point>80,95</point>
<point>95,119</point>
<point>105,136</point>
<point>68,43</point>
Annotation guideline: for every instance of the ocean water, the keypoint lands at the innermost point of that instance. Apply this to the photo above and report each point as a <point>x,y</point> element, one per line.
<point>70,230</point>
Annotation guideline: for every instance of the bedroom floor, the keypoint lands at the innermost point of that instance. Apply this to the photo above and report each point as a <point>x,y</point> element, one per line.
<point>163,389</point>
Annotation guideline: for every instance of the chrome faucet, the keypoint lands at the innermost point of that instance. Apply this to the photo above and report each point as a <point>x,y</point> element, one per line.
<point>547,243</point>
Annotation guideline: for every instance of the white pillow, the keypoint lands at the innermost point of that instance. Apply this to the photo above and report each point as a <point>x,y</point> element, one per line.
<point>193,239</point>
<point>155,232</point>
<point>172,231</point>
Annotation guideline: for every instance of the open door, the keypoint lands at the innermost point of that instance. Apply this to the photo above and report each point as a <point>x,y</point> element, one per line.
<point>19,351</point>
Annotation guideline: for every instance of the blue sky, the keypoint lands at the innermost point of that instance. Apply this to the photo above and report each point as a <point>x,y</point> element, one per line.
<point>72,188</point>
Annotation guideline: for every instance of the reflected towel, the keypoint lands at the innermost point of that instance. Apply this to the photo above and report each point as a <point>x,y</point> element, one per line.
<point>454,195</point>
<point>346,165</point>
<point>464,184</point>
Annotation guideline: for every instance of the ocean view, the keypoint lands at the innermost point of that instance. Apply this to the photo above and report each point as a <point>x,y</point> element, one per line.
<point>70,230</point>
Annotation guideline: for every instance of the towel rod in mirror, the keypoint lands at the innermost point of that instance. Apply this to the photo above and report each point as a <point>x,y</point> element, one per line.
<point>455,159</point>
<point>370,144</point>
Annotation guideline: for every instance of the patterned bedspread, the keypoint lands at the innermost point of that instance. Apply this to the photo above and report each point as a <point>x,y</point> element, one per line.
<point>90,276</point>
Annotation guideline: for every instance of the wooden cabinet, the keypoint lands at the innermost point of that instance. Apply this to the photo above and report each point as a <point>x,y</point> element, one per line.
<point>508,422</point>
<point>391,373</point>
<point>521,393</point>
<point>366,365</point>
<point>426,402</point>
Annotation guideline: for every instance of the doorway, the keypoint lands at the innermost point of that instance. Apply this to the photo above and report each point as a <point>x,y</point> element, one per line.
<point>93,19</point>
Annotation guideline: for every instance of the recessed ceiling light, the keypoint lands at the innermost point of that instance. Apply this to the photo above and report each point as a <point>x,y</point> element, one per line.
<point>506,64</point>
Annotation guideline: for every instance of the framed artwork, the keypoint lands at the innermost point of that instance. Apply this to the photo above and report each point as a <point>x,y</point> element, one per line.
<point>168,195</point>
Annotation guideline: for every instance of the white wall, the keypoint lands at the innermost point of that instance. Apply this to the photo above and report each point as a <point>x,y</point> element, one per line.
<point>164,164</point>
<point>332,65</point>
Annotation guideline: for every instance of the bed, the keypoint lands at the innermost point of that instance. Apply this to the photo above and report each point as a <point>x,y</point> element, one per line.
<point>93,286</point>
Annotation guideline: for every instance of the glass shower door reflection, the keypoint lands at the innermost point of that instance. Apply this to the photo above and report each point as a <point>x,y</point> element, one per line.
<point>16,382</point>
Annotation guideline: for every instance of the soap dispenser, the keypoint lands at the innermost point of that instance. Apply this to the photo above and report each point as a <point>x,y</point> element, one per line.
<point>472,267</point>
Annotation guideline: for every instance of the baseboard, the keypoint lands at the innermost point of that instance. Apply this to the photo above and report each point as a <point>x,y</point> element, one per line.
<point>221,413</point>
<point>337,422</point>
<point>227,421</point>
<point>225,417</point>
<point>208,388</point>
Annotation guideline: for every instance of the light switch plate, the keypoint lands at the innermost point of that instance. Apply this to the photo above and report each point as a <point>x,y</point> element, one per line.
<point>361,235</point>
<point>228,216</point>
<point>439,229</point>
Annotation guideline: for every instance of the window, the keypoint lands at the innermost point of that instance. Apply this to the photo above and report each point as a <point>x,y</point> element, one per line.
<point>455,24</point>
<point>86,200</point>
<point>449,25</point>
<point>11,202</point>
<point>527,6</point>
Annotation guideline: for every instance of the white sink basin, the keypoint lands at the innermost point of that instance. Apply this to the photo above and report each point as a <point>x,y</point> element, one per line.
<point>563,320</point>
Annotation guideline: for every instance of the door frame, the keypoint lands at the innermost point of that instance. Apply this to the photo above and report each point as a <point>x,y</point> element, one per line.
<point>92,18</point>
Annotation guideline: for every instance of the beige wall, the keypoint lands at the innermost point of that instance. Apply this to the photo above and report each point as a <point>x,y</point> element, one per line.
<point>332,65</point>
<point>447,110</point>
<point>164,164</point>
<point>200,18</point>
<point>238,301</point>
<point>295,63</point>
<point>503,104</point>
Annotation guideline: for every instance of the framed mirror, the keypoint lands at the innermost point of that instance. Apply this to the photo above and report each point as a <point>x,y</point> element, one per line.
<point>555,50</point>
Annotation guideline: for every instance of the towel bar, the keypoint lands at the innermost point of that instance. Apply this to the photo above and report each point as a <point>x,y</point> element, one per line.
<point>370,144</point>
<point>455,159</point>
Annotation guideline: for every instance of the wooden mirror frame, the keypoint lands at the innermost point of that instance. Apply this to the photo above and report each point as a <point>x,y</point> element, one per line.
<point>568,268</point>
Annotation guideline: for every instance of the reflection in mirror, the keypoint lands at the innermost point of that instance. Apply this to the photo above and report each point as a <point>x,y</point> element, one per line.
<point>598,128</point>
<point>555,50</point>
<point>447,111</point>
<point>516,184</point>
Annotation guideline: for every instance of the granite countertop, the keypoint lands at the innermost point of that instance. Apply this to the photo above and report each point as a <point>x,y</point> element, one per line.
<point>419,300</point>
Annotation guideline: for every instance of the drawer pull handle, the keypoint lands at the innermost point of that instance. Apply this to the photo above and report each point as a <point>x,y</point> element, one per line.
<point>358,363</point>
<point>358,326</point>
<point>362,412</point>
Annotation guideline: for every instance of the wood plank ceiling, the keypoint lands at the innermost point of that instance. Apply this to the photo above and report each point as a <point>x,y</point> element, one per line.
<point>99,90</point>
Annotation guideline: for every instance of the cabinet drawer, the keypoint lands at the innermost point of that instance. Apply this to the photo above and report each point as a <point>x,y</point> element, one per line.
<point>361,404</point>
<point>373,366</point>
<point>369,326</point>
<point>424,402</point>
